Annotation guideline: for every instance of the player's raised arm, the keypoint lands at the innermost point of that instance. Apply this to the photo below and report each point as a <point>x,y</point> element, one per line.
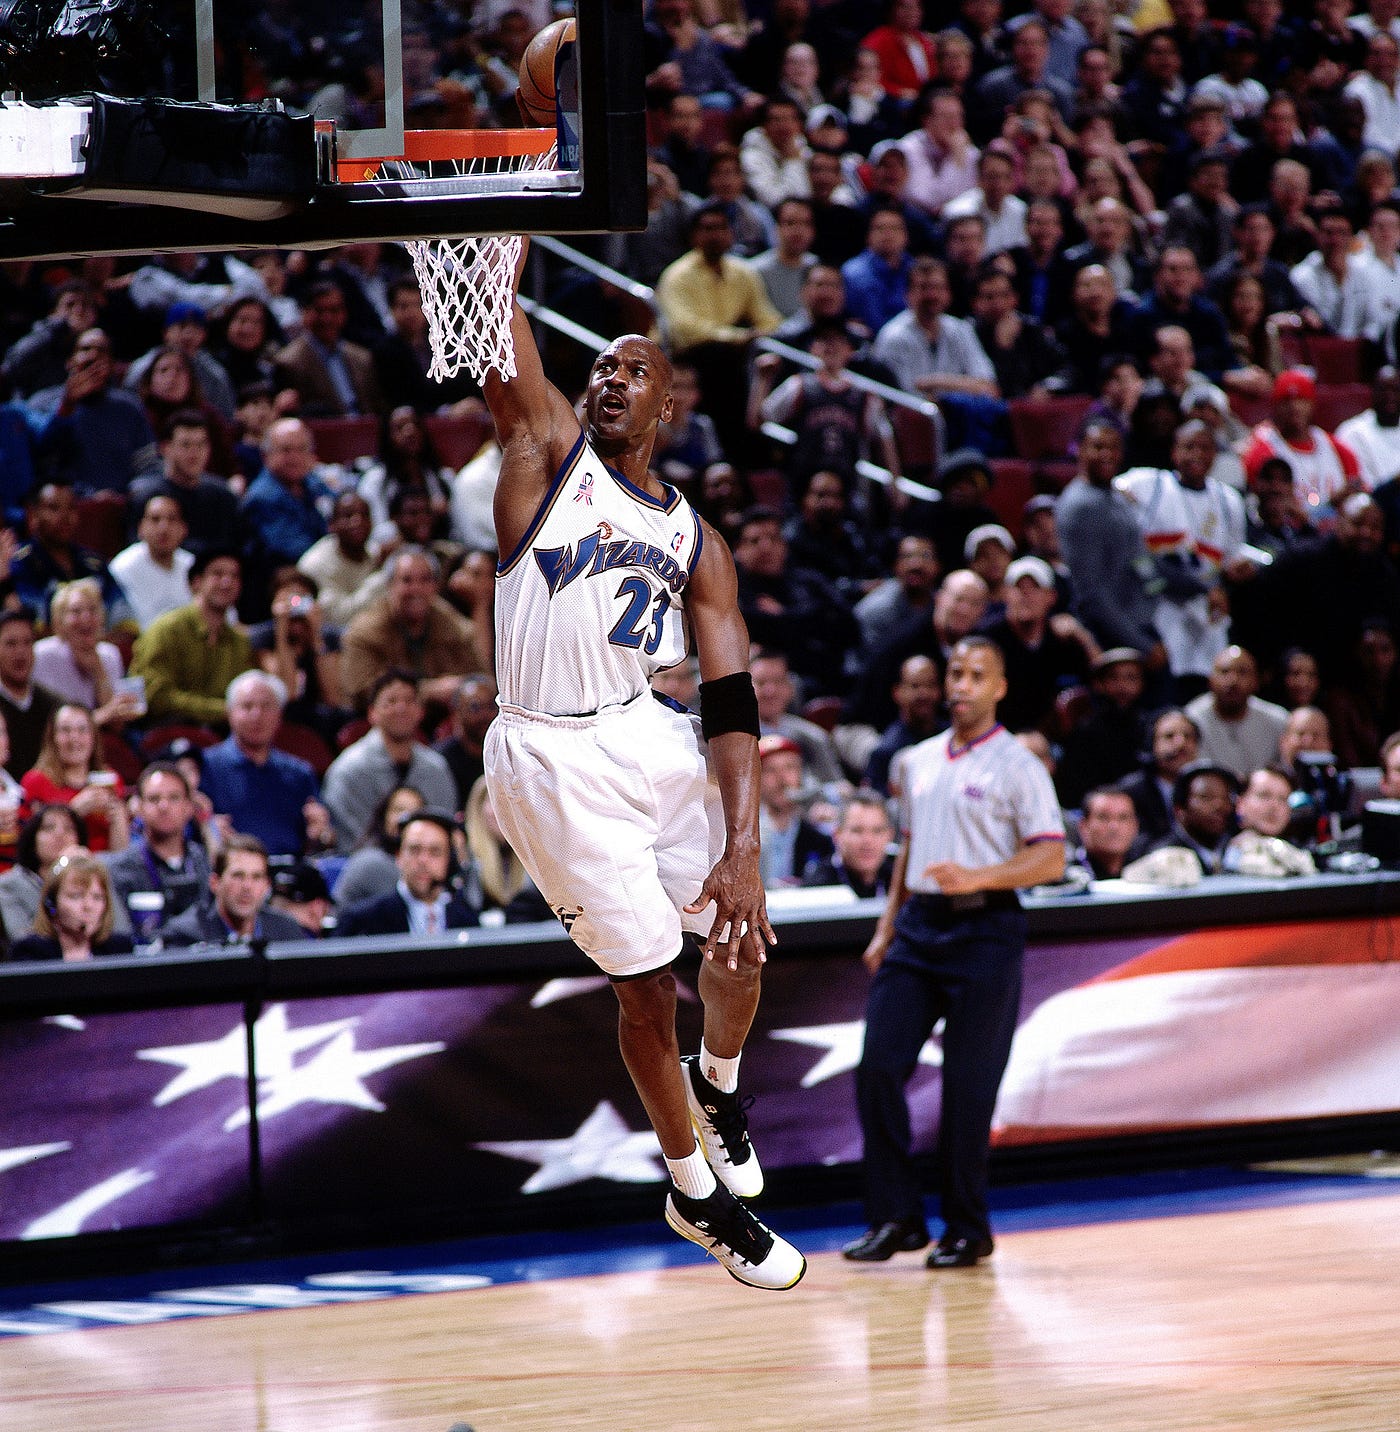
<point>535,424</point>
<point>729,715</point>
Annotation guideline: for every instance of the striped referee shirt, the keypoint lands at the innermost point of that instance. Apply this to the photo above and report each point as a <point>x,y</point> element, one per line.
<point>975,805</point>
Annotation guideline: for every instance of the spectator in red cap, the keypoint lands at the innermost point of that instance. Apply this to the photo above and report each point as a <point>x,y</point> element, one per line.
<point>788,840</point>
<point>1323,468</point>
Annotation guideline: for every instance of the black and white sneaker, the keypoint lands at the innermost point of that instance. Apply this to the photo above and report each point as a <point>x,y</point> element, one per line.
<point>729,1233</point>
<point>722,1125</point>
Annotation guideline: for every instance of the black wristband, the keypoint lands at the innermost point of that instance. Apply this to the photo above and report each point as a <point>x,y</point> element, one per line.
<point>728,704</point>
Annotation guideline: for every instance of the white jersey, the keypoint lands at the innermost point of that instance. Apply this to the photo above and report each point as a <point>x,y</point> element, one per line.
<point>1205,529</point>
<point>589,605</point>
<point>975,805</point>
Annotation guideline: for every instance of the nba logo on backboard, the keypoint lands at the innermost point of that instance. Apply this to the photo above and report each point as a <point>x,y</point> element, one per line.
<point>566,92</point>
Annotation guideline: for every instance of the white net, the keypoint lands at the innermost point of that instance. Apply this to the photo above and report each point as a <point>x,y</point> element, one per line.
<point>468,283</point>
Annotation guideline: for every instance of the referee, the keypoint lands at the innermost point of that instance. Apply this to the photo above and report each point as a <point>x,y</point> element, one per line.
<point>979,820</point>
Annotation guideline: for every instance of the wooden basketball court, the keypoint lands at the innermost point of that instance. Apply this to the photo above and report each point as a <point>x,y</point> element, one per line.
<point>1285,1319</point>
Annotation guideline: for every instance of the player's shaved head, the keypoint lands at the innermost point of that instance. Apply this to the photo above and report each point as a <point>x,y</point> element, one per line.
<point>653,351</point>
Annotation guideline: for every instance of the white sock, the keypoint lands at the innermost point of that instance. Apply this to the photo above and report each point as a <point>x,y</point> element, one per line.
<point>722,1073</point>
<point>692,1174</point>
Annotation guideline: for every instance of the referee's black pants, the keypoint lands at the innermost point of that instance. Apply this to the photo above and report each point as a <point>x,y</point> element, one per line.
<point>963,968</point>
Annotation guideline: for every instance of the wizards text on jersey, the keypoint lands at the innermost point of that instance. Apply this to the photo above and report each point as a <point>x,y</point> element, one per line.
<point>599,552</point>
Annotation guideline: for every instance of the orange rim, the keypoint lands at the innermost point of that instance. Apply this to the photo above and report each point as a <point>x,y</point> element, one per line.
<point>426,146</point>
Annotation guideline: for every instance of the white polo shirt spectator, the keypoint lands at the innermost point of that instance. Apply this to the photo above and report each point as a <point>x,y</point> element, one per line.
<point>1377,87</point>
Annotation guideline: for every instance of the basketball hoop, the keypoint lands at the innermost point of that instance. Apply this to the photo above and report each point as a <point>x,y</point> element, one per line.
<point>467,284</point>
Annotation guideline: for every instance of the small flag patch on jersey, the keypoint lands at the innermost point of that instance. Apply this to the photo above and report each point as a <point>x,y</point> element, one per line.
<point>585,489</point>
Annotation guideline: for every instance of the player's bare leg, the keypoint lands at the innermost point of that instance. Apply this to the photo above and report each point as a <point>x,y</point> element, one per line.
<point>730,998</point>
<point>646,1033</point>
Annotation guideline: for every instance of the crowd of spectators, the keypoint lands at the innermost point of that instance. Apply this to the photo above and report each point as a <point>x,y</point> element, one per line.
<point>1145,259</point>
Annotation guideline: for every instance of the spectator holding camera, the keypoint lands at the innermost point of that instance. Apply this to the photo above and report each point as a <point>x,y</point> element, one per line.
<point>71,771</point>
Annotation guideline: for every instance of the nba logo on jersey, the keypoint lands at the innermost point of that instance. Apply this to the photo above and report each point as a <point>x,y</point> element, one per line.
<point>585,489</point>
<point>676,541</point>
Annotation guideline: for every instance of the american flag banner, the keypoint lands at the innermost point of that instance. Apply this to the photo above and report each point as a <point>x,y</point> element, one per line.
<point>464,1099</point>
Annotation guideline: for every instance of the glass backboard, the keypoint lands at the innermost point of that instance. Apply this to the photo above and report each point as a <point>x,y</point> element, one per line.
<point>399,94</point>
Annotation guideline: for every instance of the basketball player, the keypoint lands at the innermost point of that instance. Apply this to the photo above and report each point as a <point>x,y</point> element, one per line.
<point>636,821</point>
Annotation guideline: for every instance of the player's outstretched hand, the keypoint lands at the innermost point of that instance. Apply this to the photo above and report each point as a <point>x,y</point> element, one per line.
<point>741,931</point>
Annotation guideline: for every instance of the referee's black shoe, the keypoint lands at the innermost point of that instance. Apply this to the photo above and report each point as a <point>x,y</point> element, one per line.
<point>958,1252</point>
<point>884,1240</point>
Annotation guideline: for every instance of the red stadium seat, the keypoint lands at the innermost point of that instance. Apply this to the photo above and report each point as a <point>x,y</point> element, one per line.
<point>158,737</point>
<point>769,487</point>
<point>344,439</point>
<point>1336,402</point>
<point>121,758</point>
<point>458,439</point>
<point>298,740</point>
<point>1046,428</point>
<point>1013,485</point>
<point>823,711</point>
<point>1335,360</point>
<point>351,732</point>
<point>1072,705</point>
<point>916,437</point>
<point>1293,346</point>
<point>102,523</point>
<point>1250,411</point>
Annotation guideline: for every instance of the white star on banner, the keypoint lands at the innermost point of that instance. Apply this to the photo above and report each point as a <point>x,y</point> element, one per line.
<point>206,1063</point>
<point>601,1147</point>
<point>13,1158</point>
<point>335,1075</point>
<point>843,1043</point>
<point>68,1218</point>
<point>553,990</point>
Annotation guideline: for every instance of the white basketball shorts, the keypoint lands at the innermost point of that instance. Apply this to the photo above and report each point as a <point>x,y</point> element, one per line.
<point>617,821</point>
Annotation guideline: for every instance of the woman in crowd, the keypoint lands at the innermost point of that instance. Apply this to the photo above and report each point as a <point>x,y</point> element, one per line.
<point>11,801</point>
<point>53,832</point>
<point>245,342</point>
<point>71,771</point>
<point>75,663</point>
<point>504,884</point>
<point>372,869</point>
<point>1299,679</point>
<point>1253,337</point>
<point>171,385</point>
<point>76,911</point>
<point>410,463</point>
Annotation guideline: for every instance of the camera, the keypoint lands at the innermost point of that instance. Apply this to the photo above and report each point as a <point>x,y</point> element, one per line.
<point>1323,794</point>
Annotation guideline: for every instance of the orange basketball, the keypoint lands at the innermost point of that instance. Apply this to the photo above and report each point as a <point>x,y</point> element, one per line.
<point>536,94</point>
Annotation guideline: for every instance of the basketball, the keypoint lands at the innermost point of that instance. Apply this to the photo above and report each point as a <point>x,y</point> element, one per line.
<point>536,94</point>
